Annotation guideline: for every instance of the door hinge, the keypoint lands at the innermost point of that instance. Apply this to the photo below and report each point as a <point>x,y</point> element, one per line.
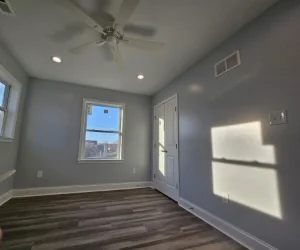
<point>176,146</point>
<point>154,176</point>
<point>175,108</point>
<point>176,185</point>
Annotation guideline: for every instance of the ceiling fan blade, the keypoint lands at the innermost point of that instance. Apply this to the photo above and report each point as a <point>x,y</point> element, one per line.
<point>68,32</point>
<point>126,10</point>
<point>143,44</point>
<point>117,55</point>
<point>81,14</point>
<point>101,43</point>
<point>106,52</point>
<point>144,30</point>
<point>79,49</point>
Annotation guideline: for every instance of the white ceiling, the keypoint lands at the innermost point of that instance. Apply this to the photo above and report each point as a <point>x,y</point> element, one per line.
<point>189,28</point>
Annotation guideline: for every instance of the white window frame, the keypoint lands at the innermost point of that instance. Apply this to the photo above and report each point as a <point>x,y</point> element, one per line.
<point>12,105</point>
<point>83,130</point>
<point>4,105</point>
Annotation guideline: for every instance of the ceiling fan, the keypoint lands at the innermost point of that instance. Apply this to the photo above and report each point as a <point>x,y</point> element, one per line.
<point>112,35</point>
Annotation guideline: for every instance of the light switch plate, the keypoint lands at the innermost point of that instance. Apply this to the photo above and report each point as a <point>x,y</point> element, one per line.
<point>278,117</point>
<point>39,174</point>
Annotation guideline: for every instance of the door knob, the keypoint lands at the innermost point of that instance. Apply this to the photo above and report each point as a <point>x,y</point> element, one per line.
<point>164,151</point>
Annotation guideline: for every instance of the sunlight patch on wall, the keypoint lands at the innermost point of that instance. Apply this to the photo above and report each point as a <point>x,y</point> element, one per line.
<point>254,187</point>
<point>161,145</point>
<point>242,142</point>
<point>251,184</point>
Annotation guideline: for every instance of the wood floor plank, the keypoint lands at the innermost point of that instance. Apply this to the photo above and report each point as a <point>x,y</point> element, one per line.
<point>112,220</point>
<point>87,239</point>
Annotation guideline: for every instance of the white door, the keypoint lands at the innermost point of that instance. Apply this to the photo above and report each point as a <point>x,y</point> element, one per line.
<point>166,177</point>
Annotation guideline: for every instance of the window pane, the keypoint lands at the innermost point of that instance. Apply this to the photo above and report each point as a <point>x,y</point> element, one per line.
<point>103,118</point>
<point>101,145</point>
<point>2,93</point>
<point>1,121</point>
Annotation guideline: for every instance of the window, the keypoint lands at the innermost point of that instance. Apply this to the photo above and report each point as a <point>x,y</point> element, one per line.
<point>101,131</point>
<point>4,93</point>
<point>10,92</point>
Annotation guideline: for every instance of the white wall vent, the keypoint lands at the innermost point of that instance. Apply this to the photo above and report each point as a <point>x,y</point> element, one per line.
<point>5,7</point>
<point>227,64</point>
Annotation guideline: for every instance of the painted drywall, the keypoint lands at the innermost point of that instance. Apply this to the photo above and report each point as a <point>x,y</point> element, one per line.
<point>8,151</point>
<point>50,137</point>
<point>268,79</point>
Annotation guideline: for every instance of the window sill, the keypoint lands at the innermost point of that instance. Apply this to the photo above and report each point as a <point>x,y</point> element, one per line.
<point>5,139</point>
<point>101,161</point>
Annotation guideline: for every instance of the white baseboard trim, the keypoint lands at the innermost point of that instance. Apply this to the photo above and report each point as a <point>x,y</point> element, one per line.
<point>245,239</point>
<point>78,189</point>
<point>5,197</point>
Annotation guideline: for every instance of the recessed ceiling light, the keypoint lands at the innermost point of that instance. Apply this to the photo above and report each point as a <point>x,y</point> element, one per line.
<point>56,59</point>
<point>140,77</point>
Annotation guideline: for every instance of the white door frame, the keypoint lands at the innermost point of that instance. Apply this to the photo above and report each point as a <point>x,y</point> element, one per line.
<point>177,135</point>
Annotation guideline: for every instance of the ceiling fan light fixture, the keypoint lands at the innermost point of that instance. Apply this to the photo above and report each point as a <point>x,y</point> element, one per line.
<point>140,77</point>
<point>56,59</point>
<point>113,34</point>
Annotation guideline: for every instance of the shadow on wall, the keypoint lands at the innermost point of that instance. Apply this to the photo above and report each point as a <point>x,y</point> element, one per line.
<point>243,169</point>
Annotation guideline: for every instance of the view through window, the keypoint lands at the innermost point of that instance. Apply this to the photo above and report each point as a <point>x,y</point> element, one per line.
<point>103,131</point>
<point>4,91</point>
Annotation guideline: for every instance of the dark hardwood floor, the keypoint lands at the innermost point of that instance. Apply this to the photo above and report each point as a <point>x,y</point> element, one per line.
<point>128,219</point>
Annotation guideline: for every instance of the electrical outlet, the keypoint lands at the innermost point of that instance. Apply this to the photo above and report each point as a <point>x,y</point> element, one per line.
<point>133,171</point>
<point>278,117</point>
<point>39,174</point>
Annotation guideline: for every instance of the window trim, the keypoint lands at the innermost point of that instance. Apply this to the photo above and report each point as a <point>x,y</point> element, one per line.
<point>13,103</point>
<point>85,103</point>
<point>4,108</point>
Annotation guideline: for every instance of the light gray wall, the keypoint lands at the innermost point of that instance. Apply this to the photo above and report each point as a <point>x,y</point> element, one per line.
<point>50,137</point>
<point>268,79</point>
<point>8,151</point>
